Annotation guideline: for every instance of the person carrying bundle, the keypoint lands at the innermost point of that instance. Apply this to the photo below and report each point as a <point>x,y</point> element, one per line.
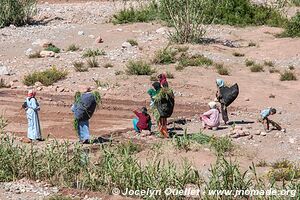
<point>225,96</point>
<point>83,108</point>
<point>264,119</point>
<point>143,120</point>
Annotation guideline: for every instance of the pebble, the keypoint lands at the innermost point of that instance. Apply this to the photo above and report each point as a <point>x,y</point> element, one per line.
<point>81,33</point>
<point>126,45</point>
<point>263,133</point>
<point>47,54</point>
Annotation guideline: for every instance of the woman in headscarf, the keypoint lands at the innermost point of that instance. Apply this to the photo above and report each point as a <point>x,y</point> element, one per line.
<point>220,83</point>
<point>163,80</point>
<point>32,107</point>
<point>211,118</point>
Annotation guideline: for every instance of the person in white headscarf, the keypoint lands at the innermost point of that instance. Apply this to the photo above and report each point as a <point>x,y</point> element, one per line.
<point>211,118</point>
<point>220,83</point>
<point>32,107</point>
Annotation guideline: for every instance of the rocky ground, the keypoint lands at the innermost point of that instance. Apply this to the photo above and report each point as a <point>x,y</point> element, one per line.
<point>83,23</point>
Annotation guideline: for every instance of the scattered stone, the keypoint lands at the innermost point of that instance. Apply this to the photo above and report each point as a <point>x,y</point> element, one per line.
<point>47,54</point>
<point>38,84</point>
<point>263,133</point>
<point>126,45</point>
<point>4,71</point>
<point>250,137</point>
<point>29,52</point>
<point>91,36</point>
<point>42,43</point>
<point>80,33</point>
<point>247,99</point>
<point>99,40</point>
<point>257,132</point>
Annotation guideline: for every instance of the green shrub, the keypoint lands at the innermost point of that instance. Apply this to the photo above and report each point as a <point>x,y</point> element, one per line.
<point>73,47</point>
<point>222,145</point>
<point>80,67</point>
<point>53,48</point>
<point>288,76</point>
<point>237,54</point>
<point>295,2</point>
<point>47,77</point>
<point>3,84</point>
<point>169,75</point>
<point>93,53</point>
<point>133,42</point>
<point>92,62</point>
<point>139,68</point>
<point>195,60</point>
<point>222,70</point>
<point>165,56</point>
<point>17,12</point>
<point>249,62</point>
<point>256,68</point>
<point>262,163</point>
<point>292,29</point>
<point>141,14</point>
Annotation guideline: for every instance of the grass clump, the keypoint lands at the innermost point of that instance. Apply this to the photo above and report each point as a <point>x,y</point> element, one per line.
<point>101,84</point>
<point>269,63</point>
<point>3,83</point>
<point>165,56</point>
<point>133,42</point>
<point>249,63</point>
<point>73,47</point>
<point>80,67</point>
<point>92,62</point>
<point>288,75</point>
<point>169,75</point>
<point>284,170</point>
<point>237,54</point>
<point>47,77</point>
<point>262,163</point>
<point>292,29</point>
<point>53,48</point>
<point>256,68</point>
<point>222,145</point>
<point>17,12</point>
<point>139,68</point>
<point>195,60</point>
<point>93,53</point>
<point>222,70</point>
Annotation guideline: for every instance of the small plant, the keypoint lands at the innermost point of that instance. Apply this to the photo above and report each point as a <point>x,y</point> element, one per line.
<point>262,163</point>
<point>251,44</point>
<point>288,76</point>
<point>284,170</point>
<point>139,68</point>
<point>179,67</point>
<point>256,68</point>
<point>169,75</point>
<point>73,47</point>
<point>221,69</point>
<point>133,42</point>
<point>100,84</point>
<point>165,56</point>
<point>80,67</point>
<point>93,53</point>
<point>108,65</point>
<point>292,28</point>
<point>3,84</point>
<point>35,55</point>
<point>129,148</point>
<point>269,63</point>
<point>249,62</point>
<point>3,123</point>
<point>53,48</point>
<point>92,63</point>
<point>222,145</point>
<point>47,77</point>
<point>182,142</point>
<point>182,49</point>
<point>282,164</point>
<point>195,60</point>
<point>237,54</point>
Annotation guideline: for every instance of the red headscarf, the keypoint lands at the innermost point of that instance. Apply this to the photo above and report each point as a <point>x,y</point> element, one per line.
<point>163,80</point>
<point>31,93</point>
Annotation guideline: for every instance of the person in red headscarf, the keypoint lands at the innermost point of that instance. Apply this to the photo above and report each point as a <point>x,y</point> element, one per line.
<point>163,80</point>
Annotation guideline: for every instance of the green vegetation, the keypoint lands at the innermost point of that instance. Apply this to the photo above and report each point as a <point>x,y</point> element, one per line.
<point>169,75</point>
<point>101,84</point>
<point>249,63</point>
<point>284,170</point>
<point>262,163</point>
<point>47,77</point>
<point>93,53</point>
<point>133,42</point>
<point>256,68</point>
<point>288,76</point>
<point>195,60</point>
<point>92,62</point>
<point>269,63</point>
<point>295,2</point>
<point>237,54</point>
<point>3,84</point>
<point>221,69</point>
<point>16,12</point>
<point>165,56</point>
<point>73,47</point>
<point>139,68</point>
<point>292,28</point>
<point>80,67</point>
<point>53,48</point>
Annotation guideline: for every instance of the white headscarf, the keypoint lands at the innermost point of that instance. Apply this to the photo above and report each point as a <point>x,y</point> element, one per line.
<point>212,104</point>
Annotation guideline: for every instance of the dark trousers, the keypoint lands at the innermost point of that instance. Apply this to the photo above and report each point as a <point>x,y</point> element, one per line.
<point>224,113</point>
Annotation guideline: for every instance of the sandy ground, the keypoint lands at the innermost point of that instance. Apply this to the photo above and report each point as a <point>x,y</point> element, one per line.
<point>194,86</point>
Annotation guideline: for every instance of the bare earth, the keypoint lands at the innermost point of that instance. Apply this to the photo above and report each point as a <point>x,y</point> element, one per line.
<point>194,87</point>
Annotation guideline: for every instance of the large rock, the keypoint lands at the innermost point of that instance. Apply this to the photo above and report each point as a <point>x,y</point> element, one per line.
<point>126,45</point>
<point>47,54</point>
<point>4,71</point>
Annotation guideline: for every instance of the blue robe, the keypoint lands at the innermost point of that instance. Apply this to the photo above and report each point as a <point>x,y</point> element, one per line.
<point>34,129</point>
<point>83,128</point>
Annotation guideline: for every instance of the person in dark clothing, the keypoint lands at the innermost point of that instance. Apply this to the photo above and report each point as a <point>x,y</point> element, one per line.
<point>220,83</point>
<point>143,120</point>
